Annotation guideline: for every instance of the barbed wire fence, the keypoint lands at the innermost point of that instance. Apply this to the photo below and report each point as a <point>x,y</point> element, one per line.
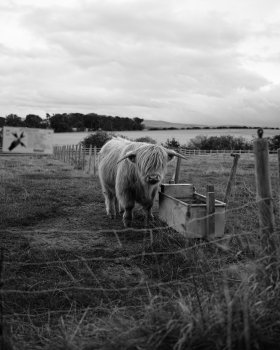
<point>86,159</point>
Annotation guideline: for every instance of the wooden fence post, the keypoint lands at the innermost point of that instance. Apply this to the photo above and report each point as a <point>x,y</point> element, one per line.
<point>79,156</point>
<point>231,176</point>
<point>177,170</point>
<point>69,154</point>
<point>76,156</point>
<point>72,154</point>
<point>94,161</point>
<point>83,157</point>
<point>63,153</point>
<point>210,211</point>
<point>66,154</point>
<point>264,197</point>
<point>278,153</point>
<point>89,158</point>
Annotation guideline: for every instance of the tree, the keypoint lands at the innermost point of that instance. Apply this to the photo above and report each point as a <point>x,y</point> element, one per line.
<point>2,121</point>
<point>138,122</point>
<point>173,143</point>
<point>60,123</point>
<point>274,142</point>
<point>227,142</point>
<point>98,139</point>
<point>13,120</point>
<point>147,139</point>
<point>33,121</point>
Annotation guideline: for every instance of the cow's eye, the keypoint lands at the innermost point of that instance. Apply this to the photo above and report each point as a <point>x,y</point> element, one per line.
<point>132,158</point>
<point>170,157</point>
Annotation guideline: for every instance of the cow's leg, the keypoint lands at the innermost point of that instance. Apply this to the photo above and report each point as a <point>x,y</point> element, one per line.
<point>118,207</point>
<point>148,207</point>
<point>110,199</point>
<point>149,216</point>
<point>126,201</point>
<point>127,215</point>
<point>127,204</point>
<point>121,209</point>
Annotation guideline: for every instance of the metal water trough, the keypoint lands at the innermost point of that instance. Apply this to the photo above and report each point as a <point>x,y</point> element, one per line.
<point>191,213</point>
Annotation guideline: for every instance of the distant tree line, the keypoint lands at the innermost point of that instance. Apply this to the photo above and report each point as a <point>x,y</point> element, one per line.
<point>226,142</point>
<point>100,137</point>
<point>67,122</point>
<point>200,142</point>
<point>153,128</point>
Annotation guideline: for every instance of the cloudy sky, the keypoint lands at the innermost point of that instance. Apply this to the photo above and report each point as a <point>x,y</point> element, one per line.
<point>201,61</point>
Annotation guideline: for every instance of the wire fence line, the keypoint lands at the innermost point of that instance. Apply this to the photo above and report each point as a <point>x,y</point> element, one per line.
<point>141,285</point>
<point>216,242</point>
<point>124,230</point>
<point>86,158</point>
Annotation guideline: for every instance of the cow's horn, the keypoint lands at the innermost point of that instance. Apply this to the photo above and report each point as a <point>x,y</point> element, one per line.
<point>128,155</point>
<point>173,153</point>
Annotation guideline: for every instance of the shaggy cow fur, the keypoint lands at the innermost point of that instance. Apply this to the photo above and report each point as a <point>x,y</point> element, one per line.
<point>131,172</point>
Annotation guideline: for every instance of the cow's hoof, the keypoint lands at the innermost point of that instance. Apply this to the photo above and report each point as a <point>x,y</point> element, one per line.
<point>111,216</point>
<point>127,223</point>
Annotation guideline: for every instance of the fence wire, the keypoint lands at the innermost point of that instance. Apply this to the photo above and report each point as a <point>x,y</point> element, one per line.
<point>13,263</point>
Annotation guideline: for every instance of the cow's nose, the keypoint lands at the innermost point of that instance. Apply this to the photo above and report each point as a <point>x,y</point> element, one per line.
<point>153,179</point>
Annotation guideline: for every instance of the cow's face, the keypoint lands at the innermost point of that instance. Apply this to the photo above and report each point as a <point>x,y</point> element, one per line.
<point>151,163</point>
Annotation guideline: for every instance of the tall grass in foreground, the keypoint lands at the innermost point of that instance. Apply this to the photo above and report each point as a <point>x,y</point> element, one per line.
<point>74,280</point>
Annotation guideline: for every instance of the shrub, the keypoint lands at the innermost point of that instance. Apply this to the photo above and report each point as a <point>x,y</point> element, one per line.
<point>227,142</point>
<point>173,143</point>
<point>274,142</point>
<point>147,139</point>
<point>98,139</point>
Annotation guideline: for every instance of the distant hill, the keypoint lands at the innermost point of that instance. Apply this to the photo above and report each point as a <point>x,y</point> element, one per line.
<point>162,124</point>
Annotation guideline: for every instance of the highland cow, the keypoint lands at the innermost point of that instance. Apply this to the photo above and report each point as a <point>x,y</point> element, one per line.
<point>131,172</point>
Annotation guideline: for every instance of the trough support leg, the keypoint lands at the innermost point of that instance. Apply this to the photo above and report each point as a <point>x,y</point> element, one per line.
<point>210,212</point>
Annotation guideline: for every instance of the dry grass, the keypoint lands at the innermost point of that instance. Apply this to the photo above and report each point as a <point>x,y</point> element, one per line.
<point>72,279</point>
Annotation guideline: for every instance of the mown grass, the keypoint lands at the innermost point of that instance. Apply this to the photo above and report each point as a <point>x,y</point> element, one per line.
<point>72,279</point>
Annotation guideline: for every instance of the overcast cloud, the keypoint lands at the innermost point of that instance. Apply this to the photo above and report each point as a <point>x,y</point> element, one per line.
<point>207,62</point>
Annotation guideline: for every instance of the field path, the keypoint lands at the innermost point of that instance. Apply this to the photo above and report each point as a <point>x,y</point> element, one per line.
<point>61,251</point>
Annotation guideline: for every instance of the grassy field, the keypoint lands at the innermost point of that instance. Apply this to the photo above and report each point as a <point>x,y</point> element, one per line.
<point>74,279</point>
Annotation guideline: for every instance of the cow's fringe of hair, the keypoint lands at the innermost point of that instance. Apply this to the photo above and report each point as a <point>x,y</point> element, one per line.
<point>152,157</point>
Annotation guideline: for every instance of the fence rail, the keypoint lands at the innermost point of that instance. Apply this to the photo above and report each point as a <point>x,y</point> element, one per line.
<point>86,158</point>
<point>186,151</point>
<point>80,157</point>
